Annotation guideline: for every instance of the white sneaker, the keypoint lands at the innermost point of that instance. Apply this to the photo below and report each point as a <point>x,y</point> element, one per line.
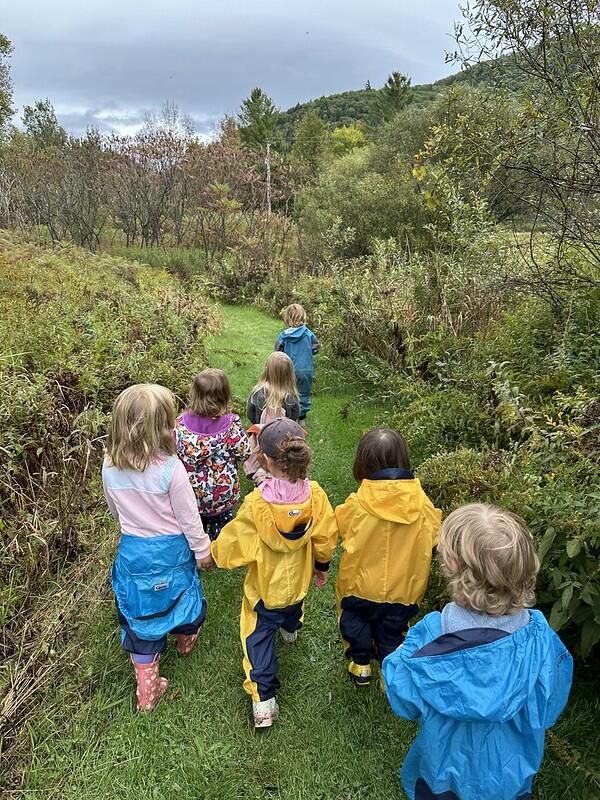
<point>288,638</point>
<point>265,713</point>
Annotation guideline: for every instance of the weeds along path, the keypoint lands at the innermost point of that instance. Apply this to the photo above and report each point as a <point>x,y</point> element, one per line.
<point>332,741</point>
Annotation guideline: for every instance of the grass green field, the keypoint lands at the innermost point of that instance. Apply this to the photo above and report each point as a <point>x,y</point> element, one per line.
<point>332,742</point>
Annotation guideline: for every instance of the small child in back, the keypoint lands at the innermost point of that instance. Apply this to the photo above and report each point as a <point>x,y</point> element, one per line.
<point>154,576</point>
<point>388,531</point>
<point>300,344</point>
<point>487,675</point>
<point>211,442</point>
<point>284,533</point>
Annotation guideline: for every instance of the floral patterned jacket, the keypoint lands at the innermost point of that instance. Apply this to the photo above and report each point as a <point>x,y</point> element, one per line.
<point>210,450</point>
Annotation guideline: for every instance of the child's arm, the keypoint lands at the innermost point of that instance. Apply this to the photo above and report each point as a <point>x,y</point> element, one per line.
<point>185,508</point>
<point>252,411</point>
<point>433,520</point>
<point>238,441</point>
<point>109,500</point>
<point>399,686</point>
<point>237,542</point>
<point>324,536</point>
<point>315,344</point>
<point>279,344</point>
<point>292,407</point>
<point>560,676</point>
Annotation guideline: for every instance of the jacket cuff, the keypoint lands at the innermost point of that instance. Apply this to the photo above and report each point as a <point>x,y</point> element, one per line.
<point>321,566</point>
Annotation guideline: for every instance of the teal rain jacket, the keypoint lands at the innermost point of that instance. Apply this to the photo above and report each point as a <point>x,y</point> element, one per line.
<point>300,344</point>
<point>484,699</point>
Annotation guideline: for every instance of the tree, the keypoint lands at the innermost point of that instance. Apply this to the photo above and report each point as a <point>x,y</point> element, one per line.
<point>395,95</point>
<point>346,139</point>
<point>258,119</point>
<point>6,109</point>
<point>552,156</point>
<point>310,142</point>
<point>41,124</point>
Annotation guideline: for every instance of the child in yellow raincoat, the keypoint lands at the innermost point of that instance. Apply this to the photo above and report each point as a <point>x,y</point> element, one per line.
<point>388,530</point>
<point>285,532</point>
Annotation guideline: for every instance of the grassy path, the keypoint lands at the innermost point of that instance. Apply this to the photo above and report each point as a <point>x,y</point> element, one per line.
<point>332,740</point>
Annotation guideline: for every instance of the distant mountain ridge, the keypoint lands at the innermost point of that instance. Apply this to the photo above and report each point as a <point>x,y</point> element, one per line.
<point>352,107</point>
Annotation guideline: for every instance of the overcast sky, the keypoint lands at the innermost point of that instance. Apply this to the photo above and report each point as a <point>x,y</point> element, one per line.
<point>106,63</point>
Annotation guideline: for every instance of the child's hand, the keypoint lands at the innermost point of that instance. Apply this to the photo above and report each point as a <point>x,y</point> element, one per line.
<point>320,578</point>
<point>205,564</point>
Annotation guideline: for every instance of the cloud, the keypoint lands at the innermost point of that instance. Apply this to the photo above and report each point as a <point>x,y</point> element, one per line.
<point>107,64</point>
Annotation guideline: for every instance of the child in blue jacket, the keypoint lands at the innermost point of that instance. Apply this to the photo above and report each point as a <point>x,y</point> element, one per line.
<point>487,675</point>
<point>300,344</point>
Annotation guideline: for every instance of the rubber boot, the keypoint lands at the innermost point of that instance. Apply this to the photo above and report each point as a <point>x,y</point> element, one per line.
<point>186,642</point>
<point>150,685</point>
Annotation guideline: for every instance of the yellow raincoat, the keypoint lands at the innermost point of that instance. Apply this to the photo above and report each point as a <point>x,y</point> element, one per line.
<point>388,530</point>
<point>280,545</point>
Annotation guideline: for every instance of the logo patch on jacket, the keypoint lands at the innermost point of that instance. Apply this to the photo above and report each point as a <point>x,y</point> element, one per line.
<point>160,586</point>
<point>295,512</point>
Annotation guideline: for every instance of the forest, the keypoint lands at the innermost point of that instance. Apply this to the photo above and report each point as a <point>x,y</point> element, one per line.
<point>444,239</point>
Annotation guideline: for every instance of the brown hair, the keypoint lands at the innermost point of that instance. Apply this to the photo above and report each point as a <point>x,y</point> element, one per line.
<point>278,381</point>
<point>141,426</point>
<point>210,395</point>
<point>293,457</point>
<point>488,556</point>
<point>380,448</point>
<point>294,315</point>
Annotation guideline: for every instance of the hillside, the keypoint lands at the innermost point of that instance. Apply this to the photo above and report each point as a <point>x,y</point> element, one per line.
<point>348,108</point>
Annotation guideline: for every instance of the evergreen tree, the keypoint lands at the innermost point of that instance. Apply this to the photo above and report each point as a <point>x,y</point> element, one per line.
<point>395,95</point>
<point>258,119</point>
<point>41,124</point>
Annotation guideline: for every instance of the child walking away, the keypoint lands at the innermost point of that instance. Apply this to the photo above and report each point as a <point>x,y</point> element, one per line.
<point>274,396</point>
<point>300,344</point>
<point>210,443</point>
<point>388,530</point>
<point>487,676</point>
<point>284,532</point>
<point>154,576</point>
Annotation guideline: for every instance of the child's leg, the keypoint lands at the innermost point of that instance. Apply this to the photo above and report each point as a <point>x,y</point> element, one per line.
<point>391,626</point>
<point>214,525</point>
<point>187,635</point>
<point>355,628</point>
<point>304,381</point>
<point>145,657</point>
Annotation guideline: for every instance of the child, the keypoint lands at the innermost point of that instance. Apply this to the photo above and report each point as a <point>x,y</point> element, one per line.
<point>276,391</point>
<point>487,676</point>
<point>154,576</point>
<point>388,530</point>
<point>284,532</point>
<point>300,344</point>
<point>210,441</point>
<point>274,396</point>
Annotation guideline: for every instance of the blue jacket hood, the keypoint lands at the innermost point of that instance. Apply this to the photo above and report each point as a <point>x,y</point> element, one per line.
<point>294,334</point>
<point>464,675</point>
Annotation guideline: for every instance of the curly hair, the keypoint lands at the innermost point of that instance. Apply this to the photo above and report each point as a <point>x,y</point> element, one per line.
<point>488,557</point>
<point>294,315</point>
<point>293,458</point>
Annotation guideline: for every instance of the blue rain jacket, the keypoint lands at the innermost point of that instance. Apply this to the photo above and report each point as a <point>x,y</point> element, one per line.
<point>156,584</point>
<point>484,699</point>
<point>300,344</point>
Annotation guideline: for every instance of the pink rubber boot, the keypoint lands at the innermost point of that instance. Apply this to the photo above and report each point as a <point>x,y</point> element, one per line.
<point>150,685</point>
<point>186,642</point>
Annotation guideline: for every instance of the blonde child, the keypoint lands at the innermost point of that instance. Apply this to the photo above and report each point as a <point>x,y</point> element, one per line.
<point>388,530</point>
<point>300,344</point>
<point>210,443</point>
<point>162,545</point>
<point>487,675</point>
<point>274,396</point>
<point>284,533</point>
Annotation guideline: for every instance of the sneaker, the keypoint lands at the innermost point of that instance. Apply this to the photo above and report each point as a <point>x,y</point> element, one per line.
<point>265,713</point>
<point>288,638</point>
<point>360,673</point>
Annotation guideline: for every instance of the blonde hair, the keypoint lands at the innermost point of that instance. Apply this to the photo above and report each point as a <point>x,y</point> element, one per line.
<point>294,315</point>
<point>210,395</point>
<point>278,381</point>
<point>141,426</point>
<point>488,556</point>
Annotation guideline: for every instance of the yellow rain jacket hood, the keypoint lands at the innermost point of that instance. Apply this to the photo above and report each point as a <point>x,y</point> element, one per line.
<point>280,544</point>
<point>388,530</point>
